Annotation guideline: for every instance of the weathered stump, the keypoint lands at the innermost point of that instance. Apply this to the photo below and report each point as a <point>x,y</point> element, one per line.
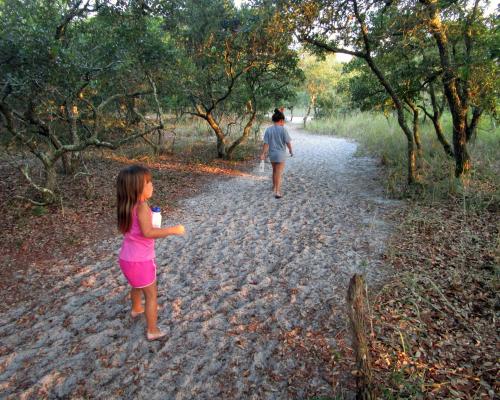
<point>356,303</point>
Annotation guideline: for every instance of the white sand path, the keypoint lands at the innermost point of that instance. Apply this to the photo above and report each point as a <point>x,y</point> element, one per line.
<point>253,277</point>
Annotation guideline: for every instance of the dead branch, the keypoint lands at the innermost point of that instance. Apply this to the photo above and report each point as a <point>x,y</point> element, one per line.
<point>357,316</point>
<point>47,193</point>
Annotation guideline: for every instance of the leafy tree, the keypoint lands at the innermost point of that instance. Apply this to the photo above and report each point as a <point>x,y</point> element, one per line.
<point>412,75</point>
<point>65,71</point>
<point>230,59</point>
<point>376,31</point>
<point>350,27</point>
<point>322,85</point>
<point>469,66</point>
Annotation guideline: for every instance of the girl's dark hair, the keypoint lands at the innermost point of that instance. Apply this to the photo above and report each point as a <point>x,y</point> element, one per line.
<point>278,116</point>
<point>129,187</point>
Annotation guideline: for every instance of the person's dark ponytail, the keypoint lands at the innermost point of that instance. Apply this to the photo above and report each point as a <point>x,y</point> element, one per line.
<point>278,116</point>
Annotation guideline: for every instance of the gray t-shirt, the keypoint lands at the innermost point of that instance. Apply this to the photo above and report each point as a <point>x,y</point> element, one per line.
<point>277,137</point>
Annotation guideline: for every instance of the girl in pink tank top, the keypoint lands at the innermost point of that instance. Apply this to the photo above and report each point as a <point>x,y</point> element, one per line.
<point>137,255</point>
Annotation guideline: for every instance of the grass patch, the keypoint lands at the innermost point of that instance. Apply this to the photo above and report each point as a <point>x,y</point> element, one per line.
<point>407,387</point>
<point>38,211</point>
<point>382,137</point>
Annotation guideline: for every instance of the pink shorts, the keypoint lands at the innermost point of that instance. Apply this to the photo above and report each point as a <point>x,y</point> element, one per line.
<point>139,273</point>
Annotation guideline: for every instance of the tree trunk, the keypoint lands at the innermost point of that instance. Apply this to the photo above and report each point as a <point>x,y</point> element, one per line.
<point>291,113</point>
<point>159,116</point>
<point>131,115</point>
<point>221,148</point>
<point>437,110</point>
<point>390,90</point>
<point>440,135</point>
<point>416,132</point>
<point>411,154</point>
<point>418,142</point>
<point>311,105</point>
<point>47,191</point>
<point>366,56</point>
<point>412,166</point>
<point>472,126</point>
<point>154,146</point>
<point>161,140</point>
<point>74,156</point>
<point>356,303</point>
<point>462,159</point>
<point>221,138</point>
<point>246,132</point>
<point>416,135</point>
<point>66,162</point>
<point>457,105</point>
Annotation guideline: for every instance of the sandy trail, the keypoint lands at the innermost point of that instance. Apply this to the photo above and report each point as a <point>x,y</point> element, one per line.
<point>253,279</point>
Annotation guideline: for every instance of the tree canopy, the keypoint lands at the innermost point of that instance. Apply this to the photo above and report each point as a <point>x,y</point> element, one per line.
<point>409,46</point>
<point>79,74</point>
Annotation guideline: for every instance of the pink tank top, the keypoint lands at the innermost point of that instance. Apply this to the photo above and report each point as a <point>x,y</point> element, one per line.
<point>135,246</point>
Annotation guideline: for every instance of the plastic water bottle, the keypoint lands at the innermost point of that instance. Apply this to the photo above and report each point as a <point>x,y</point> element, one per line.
<point>262,166</point>
<point>156,217</point>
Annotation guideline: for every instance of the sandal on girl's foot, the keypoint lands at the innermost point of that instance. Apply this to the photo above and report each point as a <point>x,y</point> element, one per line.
<point>156,336</point>
<point>278,196</point>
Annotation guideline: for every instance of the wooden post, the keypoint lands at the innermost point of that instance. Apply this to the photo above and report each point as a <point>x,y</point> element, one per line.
<point>356,304</point>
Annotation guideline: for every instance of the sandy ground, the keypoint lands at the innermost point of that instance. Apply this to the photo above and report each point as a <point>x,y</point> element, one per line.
<point>253,280</point>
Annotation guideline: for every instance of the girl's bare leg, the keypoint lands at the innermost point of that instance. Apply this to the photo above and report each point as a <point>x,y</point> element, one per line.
<point>151,308</point>
<point>279,172</point>
<point>136,297</point>
<point>274,176</point>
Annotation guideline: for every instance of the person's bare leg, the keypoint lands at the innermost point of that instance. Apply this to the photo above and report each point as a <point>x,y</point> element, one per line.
<point>279,172</point>
<point>274,176</point>
<point>136,297</point>
<point>151,309</point>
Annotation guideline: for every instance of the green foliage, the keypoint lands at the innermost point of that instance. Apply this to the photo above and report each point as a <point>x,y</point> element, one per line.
<point>379,136</point>
<point>411,54</point>
<point>95,73</point>
<point>406,388</point>
<point>231,65</point>
<point>75,75</point>
<point>89,59</point>
<point>38,211</point>
<point>228,56</point>
<point>103,59</point>
<point>325,85</point>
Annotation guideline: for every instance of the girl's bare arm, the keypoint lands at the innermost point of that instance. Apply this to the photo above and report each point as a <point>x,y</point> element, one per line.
<point>146,225</point>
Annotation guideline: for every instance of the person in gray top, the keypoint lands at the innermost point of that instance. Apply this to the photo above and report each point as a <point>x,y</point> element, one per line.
<point>276,140</point>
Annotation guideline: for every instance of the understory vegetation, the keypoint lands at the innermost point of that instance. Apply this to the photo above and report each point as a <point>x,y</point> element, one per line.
<point>379,136</point>
<point>433,322</point>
